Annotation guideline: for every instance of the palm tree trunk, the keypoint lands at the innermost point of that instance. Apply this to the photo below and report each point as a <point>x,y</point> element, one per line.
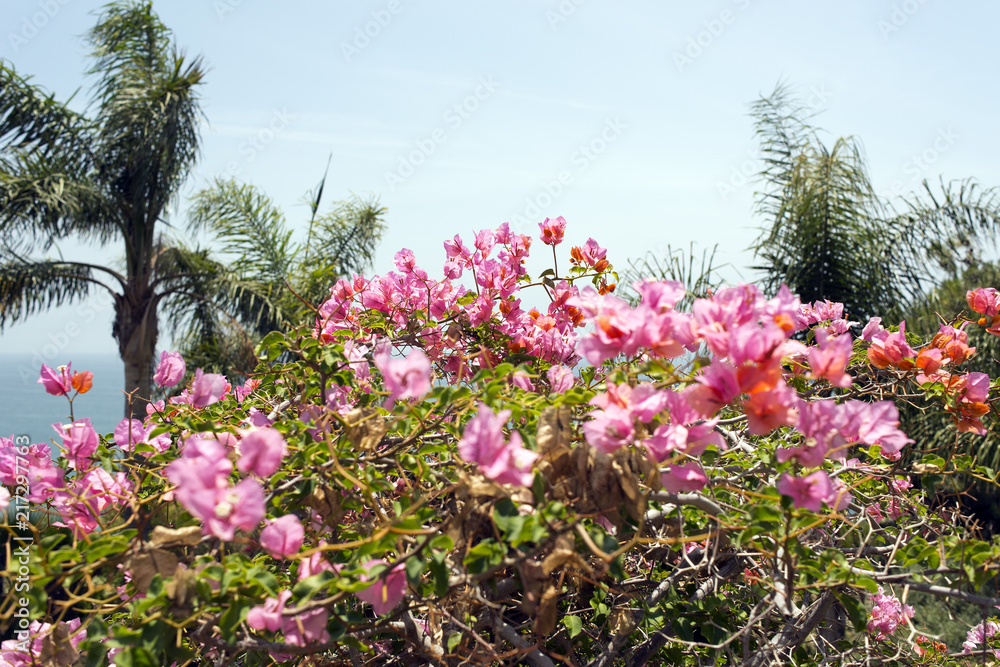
<point>136,330</point>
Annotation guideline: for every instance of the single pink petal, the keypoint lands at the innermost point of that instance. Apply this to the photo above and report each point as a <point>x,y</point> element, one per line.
<point>170,370</point>
<point>262,451</point>
<point>387,592</point>
<point>282,537</point>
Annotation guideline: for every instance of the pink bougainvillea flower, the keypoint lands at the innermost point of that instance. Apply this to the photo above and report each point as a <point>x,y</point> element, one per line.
<point>222,511</point>
<point>57,381</point>
<point>768,410</point>
<point>643,402</point>
<point>821,311</point>
<point>170,370</point>
<point>522,380</point>
<point>683,478</point>
<point>970,391</point>
<point>307,628</point>
<point>975,638</point>
<point>203,466</point>
<point>552,230</point>
<point>560,378</point>
<point>269,615</point>
<point>840,499</point>
<point>716,387</point>
<point>315,563</point>
<point>261,451</point>
<point>875,424</point>
<point>953,343</point>
<point>282,537</point>
<point>872,329</point>
<point>483,443</point>
<point>129,433</point>
<point>387,591</point>
<point>985,300</point>
<point>589,254</point>
<point>206,388</point>
<point>888,613</point>
<point>609,429</point>
<point>829,358</point>
<point>659,295</point>
<point>409,377</point>
<point>807,492</point>
<point>246,389</point>
<point>686,432</point>
<point>80,441</point>
<point>891,349</point>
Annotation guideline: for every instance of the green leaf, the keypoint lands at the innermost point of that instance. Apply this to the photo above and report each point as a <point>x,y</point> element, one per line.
<point>414,568</point>
<point>856,610</point>
<point>439,572</point>
<point>308,587</point>
<point>134,656</point>
<point>573,624</point>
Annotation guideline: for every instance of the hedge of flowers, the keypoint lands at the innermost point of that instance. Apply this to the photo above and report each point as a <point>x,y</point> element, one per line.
<point>431,473</point>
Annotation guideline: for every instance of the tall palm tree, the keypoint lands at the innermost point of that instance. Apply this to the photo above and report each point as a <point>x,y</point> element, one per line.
<point>107,177</point>
<point>828,235</point>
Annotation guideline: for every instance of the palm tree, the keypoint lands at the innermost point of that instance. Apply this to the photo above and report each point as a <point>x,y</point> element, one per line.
<point>265,281</point>
<point>107,177</point>
<point>830,236</point>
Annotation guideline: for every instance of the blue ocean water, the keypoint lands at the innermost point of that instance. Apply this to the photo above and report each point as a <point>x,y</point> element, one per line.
<point>26,409</point>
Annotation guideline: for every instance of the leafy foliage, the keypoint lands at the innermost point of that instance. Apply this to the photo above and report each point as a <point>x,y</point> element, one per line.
<point>660,520</point>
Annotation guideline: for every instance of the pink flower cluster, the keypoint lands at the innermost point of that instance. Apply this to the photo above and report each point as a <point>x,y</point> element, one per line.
<point>299,630</point>
<point>888,613</point>
<point>748,337</point>
<point>483,443</point>
<point>201,475</point>
<point>411,298</point>
<point>976,638</point>
<point>811,491</point>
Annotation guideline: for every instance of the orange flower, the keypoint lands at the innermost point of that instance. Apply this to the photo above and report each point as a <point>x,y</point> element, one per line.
<point>82,382</point>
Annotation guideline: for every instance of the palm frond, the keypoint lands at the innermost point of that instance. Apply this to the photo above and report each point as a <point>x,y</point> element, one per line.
<point>44,198</point>
<point>953,226</point>
<point>343,243</point>
<point>247,226</point>
<point>699,277</point>
<point>30,118</point>
<point>28,287</point>
<point>190,277</point>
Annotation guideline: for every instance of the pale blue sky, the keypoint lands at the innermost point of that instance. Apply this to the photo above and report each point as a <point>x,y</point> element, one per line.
<point>507,93</point>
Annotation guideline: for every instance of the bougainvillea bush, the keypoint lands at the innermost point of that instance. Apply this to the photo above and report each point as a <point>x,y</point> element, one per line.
<point>480,467</point>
